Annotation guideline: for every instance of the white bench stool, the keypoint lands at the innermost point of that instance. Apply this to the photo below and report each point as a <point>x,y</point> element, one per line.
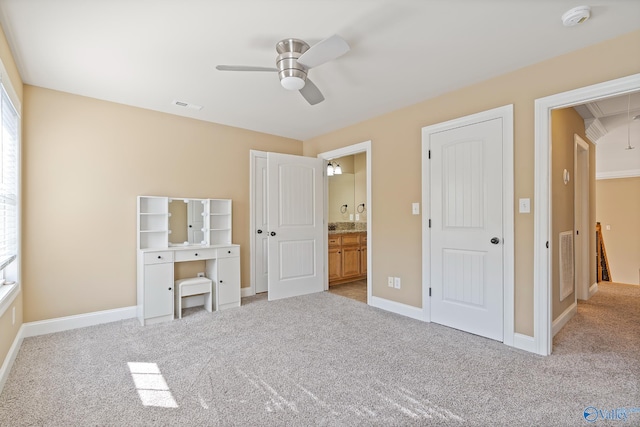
<point>193,286</point>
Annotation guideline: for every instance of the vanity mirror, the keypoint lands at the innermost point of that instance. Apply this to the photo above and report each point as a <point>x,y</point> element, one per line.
<point>186,221</point>
<point>341,197</point>
<point>167,221</point>
<point>350,189</point>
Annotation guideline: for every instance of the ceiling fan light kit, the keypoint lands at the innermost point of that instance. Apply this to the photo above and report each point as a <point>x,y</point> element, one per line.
<point>292,74</point>
<point>295,58</point>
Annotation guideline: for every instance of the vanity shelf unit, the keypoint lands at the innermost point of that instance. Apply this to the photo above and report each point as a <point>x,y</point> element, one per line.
<point>153,222</point>
<point>219,225</point>
<point>156,257</point>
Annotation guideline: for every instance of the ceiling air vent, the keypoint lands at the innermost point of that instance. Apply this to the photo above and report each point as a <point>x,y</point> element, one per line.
<point>186,105</point>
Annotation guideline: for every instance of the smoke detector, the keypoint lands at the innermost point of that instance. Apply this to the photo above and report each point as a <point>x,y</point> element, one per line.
<point>576,16</point>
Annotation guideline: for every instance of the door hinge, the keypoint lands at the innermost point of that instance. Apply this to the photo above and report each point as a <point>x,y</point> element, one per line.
<point>429,222</point>
<point>547,244</point>
<point>429,291</point>
<point>429,153</point>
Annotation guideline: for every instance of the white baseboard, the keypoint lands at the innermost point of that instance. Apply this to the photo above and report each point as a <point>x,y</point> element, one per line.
<point>11,357</point>
<point>397,307</point>
<point>593,289</point>
<point>60,324</point>
<point>563,318</point>
<point>524,342</point>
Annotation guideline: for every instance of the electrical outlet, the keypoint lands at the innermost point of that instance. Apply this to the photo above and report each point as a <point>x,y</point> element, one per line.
<point>200,274</point>
<point>396,282</point>
<point>357,217</point>
<point>390,281</point>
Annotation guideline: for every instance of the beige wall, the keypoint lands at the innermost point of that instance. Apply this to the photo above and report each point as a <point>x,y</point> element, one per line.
<point>619,206</point>
<point>565,123</point>
<point>396,161</point>
<point>85,162</point>
<point>8,329</point>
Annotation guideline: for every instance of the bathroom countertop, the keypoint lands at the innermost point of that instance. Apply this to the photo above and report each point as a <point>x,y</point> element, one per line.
<point>346,231</point>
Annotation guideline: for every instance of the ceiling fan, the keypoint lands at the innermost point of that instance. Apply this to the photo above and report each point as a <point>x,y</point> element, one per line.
<point>295,59</point>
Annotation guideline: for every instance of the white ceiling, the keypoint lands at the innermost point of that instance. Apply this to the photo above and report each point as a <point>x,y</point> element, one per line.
<point>148,53</point>
<point>609,124</point>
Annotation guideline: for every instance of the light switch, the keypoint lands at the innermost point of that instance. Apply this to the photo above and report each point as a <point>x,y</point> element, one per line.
<point>415,208</point>
<point>524,205</point>
<point>607,227</point>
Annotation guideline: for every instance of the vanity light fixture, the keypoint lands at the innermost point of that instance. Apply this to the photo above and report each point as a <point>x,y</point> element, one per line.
<point>333,168</point>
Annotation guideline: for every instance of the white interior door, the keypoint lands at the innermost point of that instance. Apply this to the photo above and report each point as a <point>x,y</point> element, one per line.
<point>467,228</point>
<point>261,242</point>
<point>295,225</point>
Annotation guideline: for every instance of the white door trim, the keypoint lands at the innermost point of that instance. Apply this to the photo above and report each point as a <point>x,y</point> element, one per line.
<point>582,219</point>
<point>542,212</point>
<point>506,114</point>
<point>341,152</point>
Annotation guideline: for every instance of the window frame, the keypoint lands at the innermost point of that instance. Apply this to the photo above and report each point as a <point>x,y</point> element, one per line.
<point>12,270</point>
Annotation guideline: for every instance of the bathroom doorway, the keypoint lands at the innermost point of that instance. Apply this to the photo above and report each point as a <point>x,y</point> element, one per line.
<point>348,235</point>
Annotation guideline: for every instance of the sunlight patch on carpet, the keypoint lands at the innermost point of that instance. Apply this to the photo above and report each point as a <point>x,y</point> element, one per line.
<point>151,385</point>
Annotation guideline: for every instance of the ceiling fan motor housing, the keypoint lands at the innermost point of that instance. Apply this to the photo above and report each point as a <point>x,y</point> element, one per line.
<point>292,75</point>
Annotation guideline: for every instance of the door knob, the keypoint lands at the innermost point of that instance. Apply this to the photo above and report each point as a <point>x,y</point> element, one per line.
<point>259,231</point>
<point>495,240</point>
<point>273,233</point>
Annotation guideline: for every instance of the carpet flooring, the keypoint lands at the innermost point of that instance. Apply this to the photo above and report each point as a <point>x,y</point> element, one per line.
<point>326,360</point>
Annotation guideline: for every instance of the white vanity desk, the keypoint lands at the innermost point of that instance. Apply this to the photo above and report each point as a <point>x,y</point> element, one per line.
<point>207,221</point>
<point>156,284</point>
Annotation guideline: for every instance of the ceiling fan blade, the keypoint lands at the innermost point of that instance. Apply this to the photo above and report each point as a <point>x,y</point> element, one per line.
<point>311,93</point>
<point>324,51</point>
<point>243,68</point>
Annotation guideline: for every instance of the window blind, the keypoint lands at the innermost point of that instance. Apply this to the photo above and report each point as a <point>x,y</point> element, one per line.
<point>9,180</point>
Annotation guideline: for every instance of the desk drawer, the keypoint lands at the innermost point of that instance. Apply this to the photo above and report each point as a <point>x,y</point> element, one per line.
<point>195,254</point>
<point>229,252</point>
<point>158,257</point>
